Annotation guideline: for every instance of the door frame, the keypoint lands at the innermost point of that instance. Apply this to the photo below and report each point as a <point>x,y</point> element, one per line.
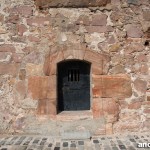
<point>90,78</point>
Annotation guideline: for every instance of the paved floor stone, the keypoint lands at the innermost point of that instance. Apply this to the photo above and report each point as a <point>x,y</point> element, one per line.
<point>126,142</point>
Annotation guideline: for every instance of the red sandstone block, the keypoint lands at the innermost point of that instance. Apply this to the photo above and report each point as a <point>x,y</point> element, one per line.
<point>110,106</point>
<point>118,86</point>
<point>97,108</point>
<point>38,86</point>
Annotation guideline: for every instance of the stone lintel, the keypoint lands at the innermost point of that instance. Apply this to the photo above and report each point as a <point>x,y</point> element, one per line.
<point>70,3</point>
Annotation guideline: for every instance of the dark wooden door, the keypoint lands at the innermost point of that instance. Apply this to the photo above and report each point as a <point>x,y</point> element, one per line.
<point>73,85</point>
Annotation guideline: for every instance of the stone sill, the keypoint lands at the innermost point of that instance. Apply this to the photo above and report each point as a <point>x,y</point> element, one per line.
<point>74,115</point>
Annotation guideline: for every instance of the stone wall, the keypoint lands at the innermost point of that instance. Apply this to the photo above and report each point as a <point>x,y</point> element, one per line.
<point>113,37</point>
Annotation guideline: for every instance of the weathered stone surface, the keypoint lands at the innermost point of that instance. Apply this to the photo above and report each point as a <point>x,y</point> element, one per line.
<point>135,105</point>
<point>110,107</point>
<point>32,69</point>
<point>11,69</point>
<point>99,29</point>
<point>70,3</point>
<point>33,38</point>
<point>21,29</point>
<point>134,32</point>
<point>7,48</point>
<point>135,47</point>
<point>13,19</point>
<point>38,21</point>
<point>5,57</point>
<point>113,86</point>
<point>19,122</point>
<point>74,54</point>
<point>99,20</point>
<point>1,17</point>
<point>118,69</point>
<point>47,107</point>
<point>29,104</point>
<point>135,2</point>
<point>146,15</point>
<point>127,126</point>
<point>22,74</point>
<point>34,57</point>
<point>97,107</point>
<point>109,128</point>
<point>84,20</point>
<point>25,10</point>
<point>140,85</point>
<point>114,47</point>
<point>21,89</point>
<point>38,87</point>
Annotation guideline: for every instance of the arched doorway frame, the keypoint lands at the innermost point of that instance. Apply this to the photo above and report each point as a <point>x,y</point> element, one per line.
<point>98,62</point>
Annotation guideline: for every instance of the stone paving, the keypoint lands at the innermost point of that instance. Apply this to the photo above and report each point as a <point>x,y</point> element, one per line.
<point>115,142</point>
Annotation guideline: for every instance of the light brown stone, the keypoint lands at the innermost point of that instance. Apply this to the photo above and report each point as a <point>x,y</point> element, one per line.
<point>74,54</point>
<point>5,57</point>
<point>135,105</point>
<point>118,69</point>
<point>38,21</point>
<point>99,29</point>
<point>109,128</point>
<point>114,48</point>
<point>21,89</point>
<point>140,85</point>
<point>11,69</point>
<point>127,126</point>
<point>22,74</point>
<point>146,15</point>
<point>38,87</point>
<point>84,20</point>
<point>141,58</point>
<point>21,29</point>
<point>134,32</point>
<point>110,106</point>
<point>13,18</point>
<point>1,17</point>
<point>32,38</point>
<point>47,107</point>
<point>135,47</point>
<point>51,107</point>
<point>99,20</point>
<point>33,58</point>
<point>17,58</point>
<point>97,69</point>
<point>146,111</point>
<point>7,48</point>
<point>26,11</point>
<point>33,69</point>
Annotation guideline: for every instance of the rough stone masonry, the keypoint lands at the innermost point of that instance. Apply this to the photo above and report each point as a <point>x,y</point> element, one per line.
<point>113,35</point>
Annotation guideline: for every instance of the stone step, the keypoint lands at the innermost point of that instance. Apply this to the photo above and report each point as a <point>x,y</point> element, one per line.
<point>75,135</point>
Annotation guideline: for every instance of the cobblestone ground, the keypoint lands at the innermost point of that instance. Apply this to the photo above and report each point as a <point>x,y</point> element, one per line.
<point>26,142</point>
